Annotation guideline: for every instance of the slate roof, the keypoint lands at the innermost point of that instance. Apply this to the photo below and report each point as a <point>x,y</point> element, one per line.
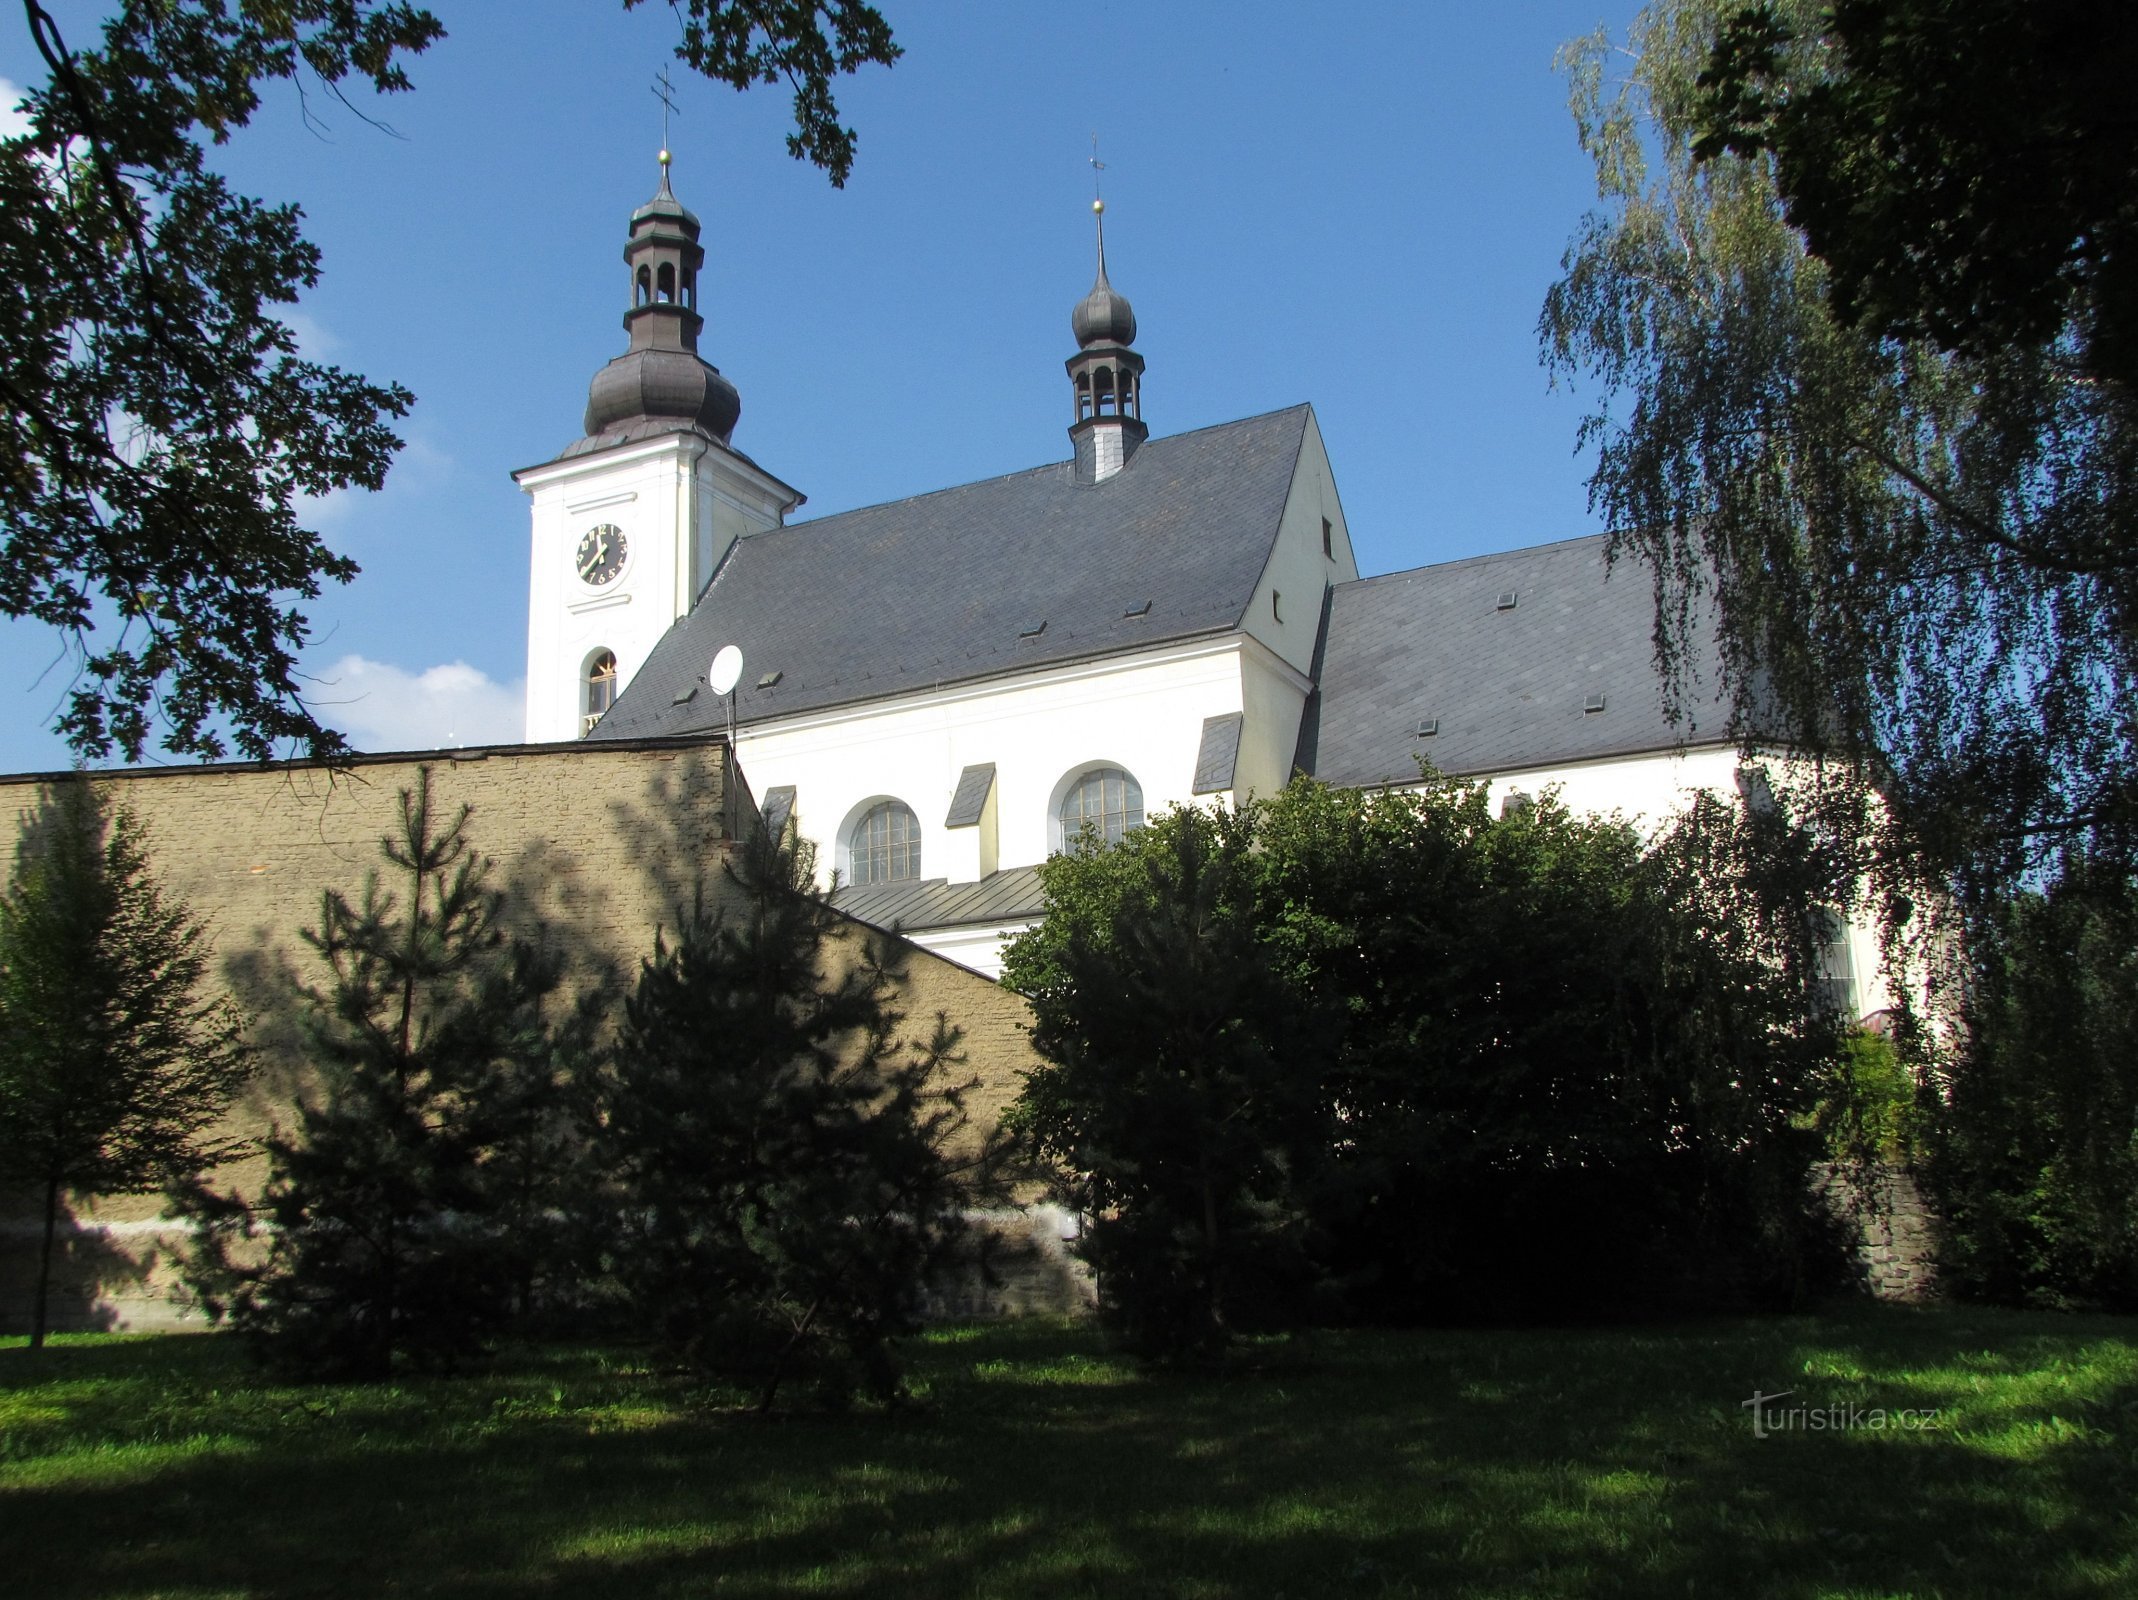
<point>1218,753</point>
<point>1002,575</point>
<point>778,807</point>
<point>918,904</point>
<point>1506,687</point>
<point>969,803</point>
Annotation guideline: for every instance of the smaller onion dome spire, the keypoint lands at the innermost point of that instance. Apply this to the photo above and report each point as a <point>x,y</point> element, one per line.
<point>1103,316</point>
<point>1105,375</point>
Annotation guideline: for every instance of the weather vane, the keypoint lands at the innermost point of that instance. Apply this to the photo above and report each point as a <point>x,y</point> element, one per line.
<point>665,92</point>
<point>1098,202</point>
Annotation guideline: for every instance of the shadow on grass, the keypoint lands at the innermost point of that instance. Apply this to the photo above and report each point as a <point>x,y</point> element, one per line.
<point>1530,1463</point>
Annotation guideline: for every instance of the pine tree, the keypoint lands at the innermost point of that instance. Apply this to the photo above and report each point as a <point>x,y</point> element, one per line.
<point>782,1161</point>
<point>114,1067</point>
<point>385,1208</point>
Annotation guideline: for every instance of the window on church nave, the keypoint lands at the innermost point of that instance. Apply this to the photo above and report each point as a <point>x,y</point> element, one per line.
<point>600,688</point>
<point>1106,800</point>
<point>1836,985</point>
<point>885,845</point>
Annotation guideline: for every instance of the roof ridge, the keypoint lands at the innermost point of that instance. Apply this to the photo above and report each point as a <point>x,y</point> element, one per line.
<point>1477,560</point>
<point>1021,472</point>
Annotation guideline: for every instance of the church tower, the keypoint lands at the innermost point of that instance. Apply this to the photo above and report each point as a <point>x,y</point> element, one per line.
<point>631,520</point>
<point>1106,375</point>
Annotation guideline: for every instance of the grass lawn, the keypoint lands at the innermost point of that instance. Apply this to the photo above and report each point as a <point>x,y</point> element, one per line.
<point>1458,1464</point>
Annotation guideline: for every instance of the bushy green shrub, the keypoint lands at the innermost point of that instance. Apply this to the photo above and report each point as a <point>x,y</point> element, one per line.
<point>1182,1096</point>
<point>1872,1112</point>
<point>2034,1153</point>
<point>1418,1061</point>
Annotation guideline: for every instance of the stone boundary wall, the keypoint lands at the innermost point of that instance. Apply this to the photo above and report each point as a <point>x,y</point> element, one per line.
<point>597,842</point>
<point>1894,1230</point>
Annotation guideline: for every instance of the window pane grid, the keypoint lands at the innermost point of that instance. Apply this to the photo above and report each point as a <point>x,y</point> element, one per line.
<point>1109,800</point>
<point>886,845</point>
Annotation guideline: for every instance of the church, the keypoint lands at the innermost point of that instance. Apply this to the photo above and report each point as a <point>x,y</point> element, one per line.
<point>941,691</point>
<point>938,693</point>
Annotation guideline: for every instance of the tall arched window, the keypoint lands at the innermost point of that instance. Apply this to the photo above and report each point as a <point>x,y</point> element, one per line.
<point>1105,799</point>
<point>1836,983</point>
<point>600,688</point>
<point>885,845</point>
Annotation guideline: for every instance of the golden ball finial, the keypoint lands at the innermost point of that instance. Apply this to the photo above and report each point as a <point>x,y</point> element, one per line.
<point>1098,207</point>
<point>664,158</point>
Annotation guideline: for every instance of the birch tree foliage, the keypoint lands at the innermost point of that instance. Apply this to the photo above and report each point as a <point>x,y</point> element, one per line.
<point>1920,563</point>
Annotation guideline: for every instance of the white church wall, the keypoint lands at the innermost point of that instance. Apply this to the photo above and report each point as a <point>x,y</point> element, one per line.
<point>978,948</point>
<point>1647,790</point>
<point>1143,713</point>
<point>1273,696</point>
<point>1285,613</point>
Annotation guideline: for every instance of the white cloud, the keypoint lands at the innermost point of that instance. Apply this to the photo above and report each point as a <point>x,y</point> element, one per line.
<point>315,340</point>
<point>13,124</point>
<point>381,707</point>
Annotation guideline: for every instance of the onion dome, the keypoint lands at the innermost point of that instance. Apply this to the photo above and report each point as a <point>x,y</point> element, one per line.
<point>1103,316</point>
<point>661,384</point>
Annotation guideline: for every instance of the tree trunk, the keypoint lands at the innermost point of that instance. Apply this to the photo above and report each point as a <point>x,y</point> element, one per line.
<point>44,1265</point>
<point>1213,1277</point>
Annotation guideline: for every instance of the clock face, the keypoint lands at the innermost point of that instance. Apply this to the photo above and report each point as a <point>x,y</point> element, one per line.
<point>601,554</point>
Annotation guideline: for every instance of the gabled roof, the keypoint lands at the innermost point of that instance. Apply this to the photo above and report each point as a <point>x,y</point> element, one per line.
<point>1029,569</point>
<point>1506,686</point>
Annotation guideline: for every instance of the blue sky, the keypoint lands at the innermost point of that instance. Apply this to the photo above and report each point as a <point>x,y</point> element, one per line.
<point>1359,206</point>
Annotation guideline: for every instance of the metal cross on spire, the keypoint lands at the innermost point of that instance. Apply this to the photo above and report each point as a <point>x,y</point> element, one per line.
<point>1098,204</point>
<point>665,92</point>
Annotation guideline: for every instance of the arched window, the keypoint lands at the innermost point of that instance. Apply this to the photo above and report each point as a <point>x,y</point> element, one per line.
<point>643,286</point>
<point>1106,800</point>
<point>600,688</point>
<point>664,289</point>
<point>885,845</point>
<point>1835,986</point>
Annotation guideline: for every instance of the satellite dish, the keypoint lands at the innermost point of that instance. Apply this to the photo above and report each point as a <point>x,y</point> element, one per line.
<point>726,669</point>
